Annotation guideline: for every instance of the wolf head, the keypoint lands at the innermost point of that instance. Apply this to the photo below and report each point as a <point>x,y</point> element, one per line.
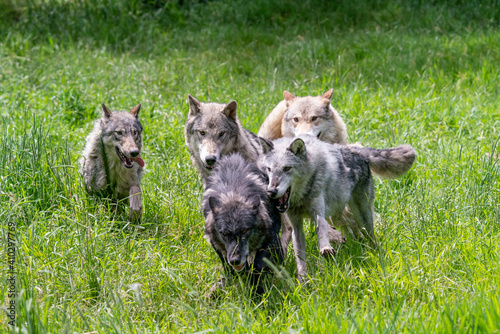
<point>211,131</point>
<point>309,115</point>
<point>235,226</point>
<point>283,161</point>
<point>121,134</point>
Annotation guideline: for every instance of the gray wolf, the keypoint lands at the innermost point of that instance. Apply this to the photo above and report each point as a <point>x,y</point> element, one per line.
<point>312,115</point>
<point>213,130</point>
<point>111,164</point>
<point>311,178</point>
<point>241,222</point>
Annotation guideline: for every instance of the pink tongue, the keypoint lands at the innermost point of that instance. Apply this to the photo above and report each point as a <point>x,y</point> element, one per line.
<point>138,160</point>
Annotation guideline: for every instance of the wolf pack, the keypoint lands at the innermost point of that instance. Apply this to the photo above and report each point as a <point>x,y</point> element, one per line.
<point>258,188</point>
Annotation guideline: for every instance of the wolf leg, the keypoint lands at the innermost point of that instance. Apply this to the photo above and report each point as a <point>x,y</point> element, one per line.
<point>299,246</point>
<point>361,204</point>
<point>286,233</point>
<point>135,203</point>
<point>322,227</point>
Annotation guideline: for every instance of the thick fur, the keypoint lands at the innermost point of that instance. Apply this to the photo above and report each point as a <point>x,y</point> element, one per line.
<point>241,222</point>
<point>212,131</point>
<point>312,115</point>
<point>311,178</point>
<point>121,131</point>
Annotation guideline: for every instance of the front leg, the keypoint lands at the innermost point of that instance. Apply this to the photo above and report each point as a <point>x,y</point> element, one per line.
<point>322,227</point>
<point>135,201</point>
<point>299,246</point>
<point>286,233</point>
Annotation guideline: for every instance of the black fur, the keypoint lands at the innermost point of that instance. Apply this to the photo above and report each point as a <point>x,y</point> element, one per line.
<point>238,213</point>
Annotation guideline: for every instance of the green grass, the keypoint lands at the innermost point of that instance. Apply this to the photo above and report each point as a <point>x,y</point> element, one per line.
<point>417,72</point>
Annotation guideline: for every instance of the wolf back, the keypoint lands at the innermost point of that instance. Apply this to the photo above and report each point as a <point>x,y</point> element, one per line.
<point>241,222</point>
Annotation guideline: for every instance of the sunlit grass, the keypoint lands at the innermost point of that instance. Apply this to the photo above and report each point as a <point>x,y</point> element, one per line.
<point>402,72</point>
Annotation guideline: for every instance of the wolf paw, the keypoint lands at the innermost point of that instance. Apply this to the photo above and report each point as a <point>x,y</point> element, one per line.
<point>336,237</point>
<point>327,251</point>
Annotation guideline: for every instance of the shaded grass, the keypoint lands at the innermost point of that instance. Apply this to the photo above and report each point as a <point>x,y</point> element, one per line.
<point>413,72</point>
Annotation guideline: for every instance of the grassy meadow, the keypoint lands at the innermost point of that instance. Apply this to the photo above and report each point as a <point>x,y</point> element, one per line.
<point>419,72</point>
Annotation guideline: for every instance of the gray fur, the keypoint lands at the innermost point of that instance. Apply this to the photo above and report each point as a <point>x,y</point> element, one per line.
<point>121,131</point>
<point>241,222</point>
<point>212,131</point>
<point>320,179</point>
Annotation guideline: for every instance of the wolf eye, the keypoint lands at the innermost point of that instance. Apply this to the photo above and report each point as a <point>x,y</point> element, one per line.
<point>202,132</point>
<point>268,169</point>
<point>295,119</point>
<point>245,231</point>
<point>222,134</point>
<point>119,133</point>
<point>314,118</point>
<point>286,169</point>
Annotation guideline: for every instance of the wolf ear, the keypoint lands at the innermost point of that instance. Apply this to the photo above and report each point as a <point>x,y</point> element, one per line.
<point>255,203</point>
<point>230,110</point>
<point>135,110</point>
<point>214,204</point>
<point>194,105</point>
<point>105,111</point>
<point>289,97</point>
<point>298,147</point>
<point>266,145</point>
<point>327,97</point>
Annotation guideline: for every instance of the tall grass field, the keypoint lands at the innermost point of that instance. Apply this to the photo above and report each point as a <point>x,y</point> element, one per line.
<point>425,73</point>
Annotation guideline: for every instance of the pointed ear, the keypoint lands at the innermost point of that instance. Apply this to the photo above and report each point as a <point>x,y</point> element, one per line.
<point>105,111</point>
<point>266,145</point>
<point>194,105</point>
<point>327,97</point>
<point>135,110</point>
<point>298,147</point>
<point>230,110</point>
<point>289,97</point>
<point>214,204</point>
<point>255,203</point>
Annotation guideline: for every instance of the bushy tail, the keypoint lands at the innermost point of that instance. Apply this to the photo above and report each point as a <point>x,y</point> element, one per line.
<point>390,162</point>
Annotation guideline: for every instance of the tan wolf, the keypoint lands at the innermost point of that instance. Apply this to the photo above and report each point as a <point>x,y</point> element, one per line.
<point>312,115</point>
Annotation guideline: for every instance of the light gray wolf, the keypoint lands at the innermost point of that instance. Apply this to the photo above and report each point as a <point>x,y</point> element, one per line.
<point>111,164</point>
<point>311,178</point>
<point>242,223</point>
<point>213,130</point>
<point>312,115</point>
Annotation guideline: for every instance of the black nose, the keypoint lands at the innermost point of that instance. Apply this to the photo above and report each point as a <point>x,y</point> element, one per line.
<point>272,192</point>
<point>134,153</point>
<point>234,260</point>
<point>211,159</point>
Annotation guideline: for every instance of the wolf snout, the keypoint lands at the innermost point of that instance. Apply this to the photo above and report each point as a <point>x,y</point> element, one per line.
<point>134,153</point>
<point>210,160</point>
<point>272,192</point>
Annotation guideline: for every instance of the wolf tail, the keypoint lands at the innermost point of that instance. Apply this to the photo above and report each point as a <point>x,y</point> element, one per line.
<point>390,162</point>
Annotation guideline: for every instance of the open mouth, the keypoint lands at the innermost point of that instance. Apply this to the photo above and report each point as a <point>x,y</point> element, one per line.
<point>282,204</point>
<point>239,268</point>
<point>128,162</point>
<point>208,167</point>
